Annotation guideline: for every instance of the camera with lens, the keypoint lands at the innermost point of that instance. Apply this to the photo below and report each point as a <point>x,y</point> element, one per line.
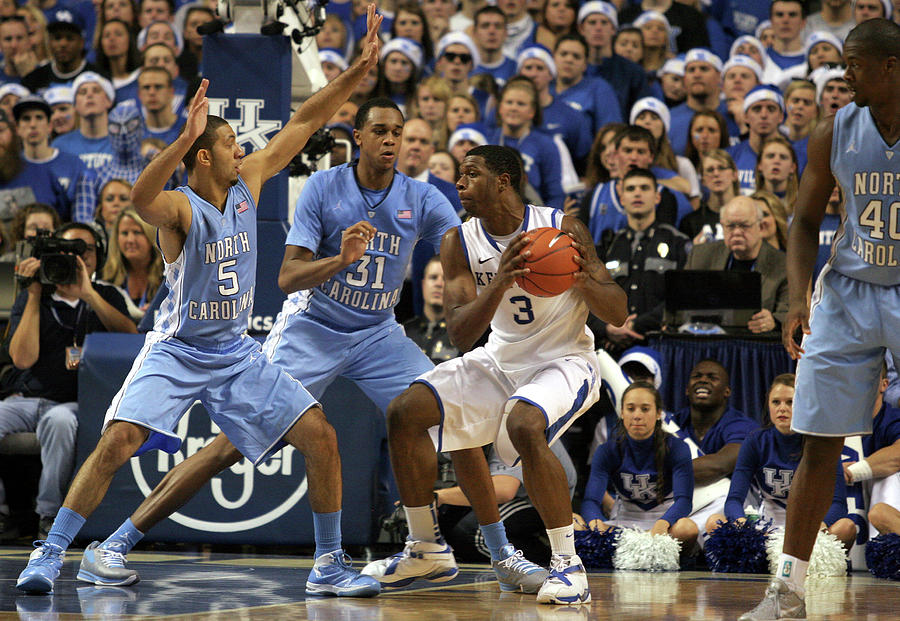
<point>57,257</point>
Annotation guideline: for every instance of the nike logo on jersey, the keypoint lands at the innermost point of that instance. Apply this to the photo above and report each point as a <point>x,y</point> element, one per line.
<point>852,148</point>
<point>480,261</point>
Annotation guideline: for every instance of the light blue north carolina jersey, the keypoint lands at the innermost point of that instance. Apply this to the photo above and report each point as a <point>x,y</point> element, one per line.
<point>868,246</point>
<point>212,282</point>
<point>365,293</point>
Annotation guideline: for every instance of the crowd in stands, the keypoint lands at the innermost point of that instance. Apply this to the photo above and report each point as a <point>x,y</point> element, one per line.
<point>676,130</point>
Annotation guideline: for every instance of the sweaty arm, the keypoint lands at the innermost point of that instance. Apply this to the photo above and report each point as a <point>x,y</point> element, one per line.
<point>603,296</point>
<point>710,468</point>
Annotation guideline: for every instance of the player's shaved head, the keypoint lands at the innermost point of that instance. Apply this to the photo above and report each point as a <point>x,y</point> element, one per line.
<point>877,37</point>
<point>362,115</point>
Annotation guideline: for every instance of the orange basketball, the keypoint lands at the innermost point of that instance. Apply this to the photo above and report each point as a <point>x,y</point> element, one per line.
<point>552,263</point>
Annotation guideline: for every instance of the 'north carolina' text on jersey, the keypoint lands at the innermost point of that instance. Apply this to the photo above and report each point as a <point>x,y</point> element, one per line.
<point>526,329</point>
<point>867,248</point>
<point>364,293</point>
<point>211,283</point>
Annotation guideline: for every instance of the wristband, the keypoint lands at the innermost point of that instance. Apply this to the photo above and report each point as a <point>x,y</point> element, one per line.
<point>860,471</point>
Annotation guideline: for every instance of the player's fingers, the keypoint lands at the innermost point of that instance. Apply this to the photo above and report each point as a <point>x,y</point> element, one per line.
<point>201,92</point>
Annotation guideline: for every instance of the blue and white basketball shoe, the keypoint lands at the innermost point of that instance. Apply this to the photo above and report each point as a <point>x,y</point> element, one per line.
<point>333,574</point>
<point>432,561</point>
<point>567,582</point>
<point>43,568</point>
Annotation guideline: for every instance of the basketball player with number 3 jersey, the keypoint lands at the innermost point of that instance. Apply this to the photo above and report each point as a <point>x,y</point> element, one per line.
<point>535,376</point>
<point>855,311</point>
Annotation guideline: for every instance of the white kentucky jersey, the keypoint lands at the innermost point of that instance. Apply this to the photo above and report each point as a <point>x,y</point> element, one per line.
<point>211,283</point>
<point>867,247</point>
<point>526,329</point>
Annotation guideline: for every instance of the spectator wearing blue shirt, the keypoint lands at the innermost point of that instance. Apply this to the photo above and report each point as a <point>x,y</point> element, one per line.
<point>703,86</point>
<point>597,23</point>
<point>763,113</point>
<point>739,76</point>
<point>94,95</point>
<point>801,115</point>
<point>715,429</point>
<point>649,469</point>
<point>156,94</point>
<point>56,178</point>
<point>457,55</point>
<point>592,96</point>
<point>489,34</point>
<point>789,24</point>
<point>558,118</point>
<point>766,463</point>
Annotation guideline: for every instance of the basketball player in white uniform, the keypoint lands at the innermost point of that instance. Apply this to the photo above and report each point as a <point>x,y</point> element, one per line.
<point>521,391</point>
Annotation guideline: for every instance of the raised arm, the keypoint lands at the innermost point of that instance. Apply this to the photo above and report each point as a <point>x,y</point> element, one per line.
<point>603,295</point>
<point>260,166</point>
<point>170,211</point>
<point>803,238</point>
<point>469,314</point>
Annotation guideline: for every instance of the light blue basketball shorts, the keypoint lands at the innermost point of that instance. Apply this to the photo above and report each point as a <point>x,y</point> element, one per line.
<point>251,399</point>
<point>380,359</point>
<point>852,323</point>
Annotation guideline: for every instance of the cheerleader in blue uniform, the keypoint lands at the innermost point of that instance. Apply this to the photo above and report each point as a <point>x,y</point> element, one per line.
<point>649,470</point>
<point>766,464</point>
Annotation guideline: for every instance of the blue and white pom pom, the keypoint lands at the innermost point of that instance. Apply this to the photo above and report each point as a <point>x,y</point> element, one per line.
<point>639,550</point>
<point>828,556</point>
<point>883,556</point>
<point>596,549</point>
<point>738,547</point>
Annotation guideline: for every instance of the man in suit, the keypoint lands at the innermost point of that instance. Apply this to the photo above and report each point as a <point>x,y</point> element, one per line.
<point>743,249</point>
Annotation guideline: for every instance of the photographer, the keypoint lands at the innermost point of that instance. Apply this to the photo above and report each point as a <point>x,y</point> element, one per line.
<point>48,325</point>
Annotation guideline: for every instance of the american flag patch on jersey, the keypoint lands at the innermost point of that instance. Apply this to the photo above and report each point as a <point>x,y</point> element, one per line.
<point>404,214</point>
<point>243,206</point>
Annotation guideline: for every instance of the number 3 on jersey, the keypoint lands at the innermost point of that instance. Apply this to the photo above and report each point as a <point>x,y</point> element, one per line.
<point>524,313</point>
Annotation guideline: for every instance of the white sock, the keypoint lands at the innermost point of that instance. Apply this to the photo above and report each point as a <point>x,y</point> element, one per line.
<point>423,524</point>
<point>562,540</point>
<point>793,571</point>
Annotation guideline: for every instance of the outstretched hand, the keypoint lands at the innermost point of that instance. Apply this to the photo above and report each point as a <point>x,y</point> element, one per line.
<point>197,113</point>
<point>370,49</point>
